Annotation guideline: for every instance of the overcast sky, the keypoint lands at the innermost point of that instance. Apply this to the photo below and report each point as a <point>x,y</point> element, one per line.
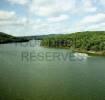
<point>35,17</point>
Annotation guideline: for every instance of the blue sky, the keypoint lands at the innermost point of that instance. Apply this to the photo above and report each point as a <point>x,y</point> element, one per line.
<point>36,17</point>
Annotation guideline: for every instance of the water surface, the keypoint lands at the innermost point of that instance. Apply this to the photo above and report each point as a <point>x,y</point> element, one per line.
<point>49,79</point>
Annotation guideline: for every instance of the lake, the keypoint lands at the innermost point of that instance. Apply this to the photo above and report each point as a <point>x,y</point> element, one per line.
<point>31,72</point>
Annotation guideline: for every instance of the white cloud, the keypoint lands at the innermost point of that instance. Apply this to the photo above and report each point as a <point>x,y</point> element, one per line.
<point>56,7</point>
<point>46,28</point>
<point>99,27</point>
<point>14,23</point>
<point>20,2</point>
<point>85,7</point>
<point>102,2</point>
<point>97,18</point>
<point>5,15</point>
<point>53,16</point>
<point>88,6</point>
<point>11,18</point>
<point>58,18</point>
<point>94,22</point>
<point>51,8</point>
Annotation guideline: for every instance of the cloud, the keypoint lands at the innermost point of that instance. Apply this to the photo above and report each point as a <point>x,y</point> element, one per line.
<point>14,23</point>
<point>84,7</point>
<point>56,7</point>
<point>95,22</point>
<point>51,8</point>
<point>100,26</point>
<point>102,2</point>
<point>97,18</point>
<point>20,2</point>
<point>88,6</point>
<point>11,18</point>
<point>6,15</point>
<point>53,16</point>
<point>58,18</point>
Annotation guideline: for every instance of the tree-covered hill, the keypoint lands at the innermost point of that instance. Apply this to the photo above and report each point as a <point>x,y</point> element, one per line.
<point>82,41</point>
<point>5,38</point>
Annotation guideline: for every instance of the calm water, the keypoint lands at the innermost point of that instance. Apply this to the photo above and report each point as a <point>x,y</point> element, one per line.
<point>23,77</point>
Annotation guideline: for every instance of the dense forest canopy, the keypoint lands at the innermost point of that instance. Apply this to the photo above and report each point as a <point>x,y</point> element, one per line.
<point>90,41</point>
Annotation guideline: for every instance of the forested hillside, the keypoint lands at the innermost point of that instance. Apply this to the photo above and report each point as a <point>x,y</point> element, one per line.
<point>87,41</point>
<point>5,38</point>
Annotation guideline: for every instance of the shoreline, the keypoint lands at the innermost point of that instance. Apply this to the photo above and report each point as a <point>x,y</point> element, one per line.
<point>13,41</point>
<point>93,53</point>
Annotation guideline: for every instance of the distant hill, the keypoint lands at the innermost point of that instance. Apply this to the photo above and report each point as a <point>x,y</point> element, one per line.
<point>40,37</point>
<point>4,35</point>
<point>5,38</point>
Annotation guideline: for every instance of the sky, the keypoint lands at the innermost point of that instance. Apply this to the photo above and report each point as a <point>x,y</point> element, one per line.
<point>40,17</point>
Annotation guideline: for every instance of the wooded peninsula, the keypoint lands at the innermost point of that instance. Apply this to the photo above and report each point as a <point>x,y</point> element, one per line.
<point>91,42</point>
